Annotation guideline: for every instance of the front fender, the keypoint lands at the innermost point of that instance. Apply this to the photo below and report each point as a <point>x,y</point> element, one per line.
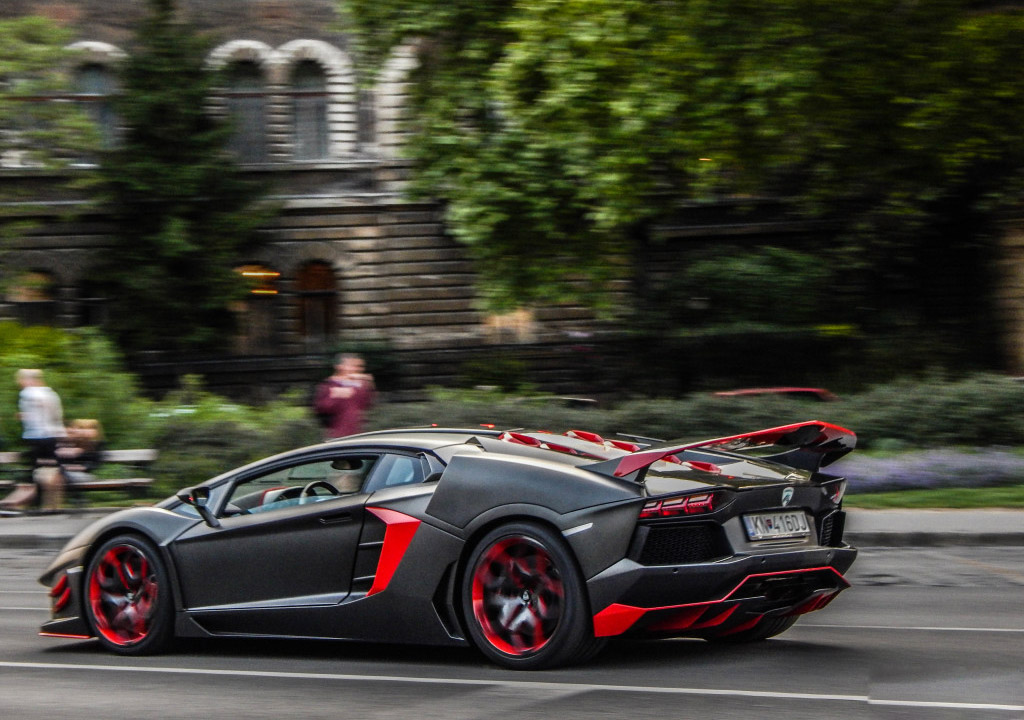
<point>157,524</point>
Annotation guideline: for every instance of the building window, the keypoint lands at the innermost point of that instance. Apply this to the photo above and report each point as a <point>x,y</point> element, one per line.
<point>309,110</point>
<point>95,88</point>
<point>246,100</point>
<point>33,296</point>
<point>318,303</point>
<point>92,305</point>
<point>256,315</point>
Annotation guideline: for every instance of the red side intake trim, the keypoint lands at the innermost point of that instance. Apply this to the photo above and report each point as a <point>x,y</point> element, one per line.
<point>397,536</point>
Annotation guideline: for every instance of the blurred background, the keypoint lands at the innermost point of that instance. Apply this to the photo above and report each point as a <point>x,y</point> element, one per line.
<point>543,213</point>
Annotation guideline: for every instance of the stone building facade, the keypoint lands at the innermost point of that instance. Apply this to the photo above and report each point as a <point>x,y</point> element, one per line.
<point>349,259</point>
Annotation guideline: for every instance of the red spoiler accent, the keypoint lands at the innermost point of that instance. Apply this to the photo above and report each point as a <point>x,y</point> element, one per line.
<point>824,440</point>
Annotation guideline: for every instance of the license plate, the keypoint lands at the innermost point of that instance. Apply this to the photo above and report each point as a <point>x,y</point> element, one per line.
<point>777,525</point>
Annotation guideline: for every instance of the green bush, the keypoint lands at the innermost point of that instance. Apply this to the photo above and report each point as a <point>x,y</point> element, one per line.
<point>201,435</point>
<point>86,371</point>
<point>194,450</point>
<point>980,410</point>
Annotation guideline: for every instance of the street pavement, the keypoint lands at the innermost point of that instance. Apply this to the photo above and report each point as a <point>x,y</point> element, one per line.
<point>864,528</point>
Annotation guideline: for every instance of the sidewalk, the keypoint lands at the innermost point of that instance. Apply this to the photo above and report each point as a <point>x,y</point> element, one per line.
<point>864,528</point>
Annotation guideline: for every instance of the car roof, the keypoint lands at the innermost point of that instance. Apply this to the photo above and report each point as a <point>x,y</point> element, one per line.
<point>565,449</point>
<point>427,438</point>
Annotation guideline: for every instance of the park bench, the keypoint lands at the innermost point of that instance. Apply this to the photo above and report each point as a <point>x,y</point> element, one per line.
<point>12,467</point>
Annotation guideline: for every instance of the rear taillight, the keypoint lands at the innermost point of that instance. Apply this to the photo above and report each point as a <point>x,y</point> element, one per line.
<point>686,505</point>
<point>834,491</point>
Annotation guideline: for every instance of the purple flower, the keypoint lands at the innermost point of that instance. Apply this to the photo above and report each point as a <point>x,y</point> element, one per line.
<point>930,469</point>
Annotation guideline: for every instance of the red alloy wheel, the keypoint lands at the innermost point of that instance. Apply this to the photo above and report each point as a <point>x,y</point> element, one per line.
<point>123,593</point>
<point>517,594</point>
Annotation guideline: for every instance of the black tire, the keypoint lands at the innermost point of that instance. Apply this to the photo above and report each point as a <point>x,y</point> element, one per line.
<point>764,629</point>
<point>127,597</point>
<point>524,601</point>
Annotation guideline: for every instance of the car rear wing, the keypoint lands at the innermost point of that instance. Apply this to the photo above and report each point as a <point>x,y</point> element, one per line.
<point>805,446</point>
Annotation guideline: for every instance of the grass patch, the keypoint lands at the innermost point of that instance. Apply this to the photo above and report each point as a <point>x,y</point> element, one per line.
<point>1010,496</point>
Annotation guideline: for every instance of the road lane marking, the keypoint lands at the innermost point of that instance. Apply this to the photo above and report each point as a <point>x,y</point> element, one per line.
<point>914,628</point>
<point>516,684</point>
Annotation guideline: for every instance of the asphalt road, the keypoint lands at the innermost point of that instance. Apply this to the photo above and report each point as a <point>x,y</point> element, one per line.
<point>934,633</point>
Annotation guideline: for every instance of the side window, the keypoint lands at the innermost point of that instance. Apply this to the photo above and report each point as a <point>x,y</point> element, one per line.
<point>395,470</point>
<point>309,109</point>
<point>300,485</point>
<point>246,100</point>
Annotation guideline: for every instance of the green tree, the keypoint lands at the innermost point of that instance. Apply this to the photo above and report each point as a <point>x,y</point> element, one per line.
<point>184,214</point>
<point>37,131</point>
<point>558,131</point>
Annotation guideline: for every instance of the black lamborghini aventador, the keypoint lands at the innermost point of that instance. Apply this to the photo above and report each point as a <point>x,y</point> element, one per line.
<point>533,547</point>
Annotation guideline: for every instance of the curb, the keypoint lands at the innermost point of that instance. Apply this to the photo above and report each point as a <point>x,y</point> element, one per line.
<point>33,542</point>
<point>931,539</point>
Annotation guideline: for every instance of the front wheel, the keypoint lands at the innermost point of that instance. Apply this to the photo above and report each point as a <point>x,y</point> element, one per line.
<point>128,597</point>
<point>524,601</point>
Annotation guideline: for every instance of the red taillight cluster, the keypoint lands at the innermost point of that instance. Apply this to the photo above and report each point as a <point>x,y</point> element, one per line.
<point>686,505</point>
<point>835,491</point>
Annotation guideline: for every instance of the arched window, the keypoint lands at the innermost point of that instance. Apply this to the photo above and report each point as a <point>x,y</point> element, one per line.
<point>33,295</point>
<point>95,87</point>
<point>309,111</point>
<point>246,99</point>
<point>318,303</point>
<point>257,314</point>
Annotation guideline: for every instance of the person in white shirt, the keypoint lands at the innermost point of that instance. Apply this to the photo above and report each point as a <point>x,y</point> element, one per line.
<point>42,422</point>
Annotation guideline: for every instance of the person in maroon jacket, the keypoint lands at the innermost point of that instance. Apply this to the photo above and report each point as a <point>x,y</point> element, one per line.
<point>342,398</point>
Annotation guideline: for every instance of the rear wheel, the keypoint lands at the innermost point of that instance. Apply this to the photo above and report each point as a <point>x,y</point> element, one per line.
<point>128,597</point>
<point>764,629</point>
<point>524,601</point>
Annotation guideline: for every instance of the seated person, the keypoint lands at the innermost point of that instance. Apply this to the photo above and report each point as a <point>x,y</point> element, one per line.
<point>83,450</point>
<point>79,454</point>
<point>347,474</point>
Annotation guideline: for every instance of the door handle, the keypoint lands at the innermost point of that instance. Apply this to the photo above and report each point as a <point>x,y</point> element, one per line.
<point>342,517</point>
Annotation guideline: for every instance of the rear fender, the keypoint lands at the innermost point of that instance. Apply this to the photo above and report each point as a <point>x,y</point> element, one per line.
<point>595,515</point>
<point>474,485</point>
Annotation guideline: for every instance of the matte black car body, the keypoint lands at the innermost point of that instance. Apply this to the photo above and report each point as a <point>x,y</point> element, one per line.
<point>534,547</point>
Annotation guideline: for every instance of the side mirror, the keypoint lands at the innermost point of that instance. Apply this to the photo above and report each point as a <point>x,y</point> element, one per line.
<point>199,497</point>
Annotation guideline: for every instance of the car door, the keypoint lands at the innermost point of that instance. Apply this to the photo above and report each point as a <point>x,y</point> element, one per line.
<point>277,546</point>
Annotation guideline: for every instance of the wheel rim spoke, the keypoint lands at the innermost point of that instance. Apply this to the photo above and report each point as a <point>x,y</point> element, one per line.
<point>517,595</point>
<point>122,595</point>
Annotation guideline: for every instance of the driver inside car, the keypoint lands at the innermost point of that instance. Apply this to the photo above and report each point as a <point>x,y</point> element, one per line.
<point>347,474</point>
